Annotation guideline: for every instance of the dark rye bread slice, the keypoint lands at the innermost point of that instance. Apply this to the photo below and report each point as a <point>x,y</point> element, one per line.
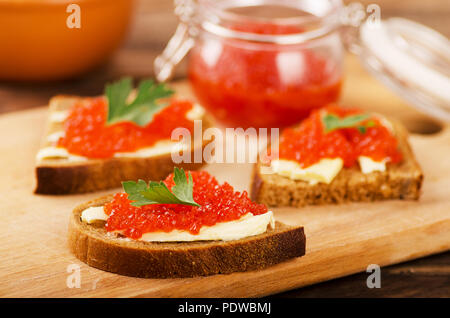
<point>91,244</point>
<point>399,181</point>
<point>61,176</point>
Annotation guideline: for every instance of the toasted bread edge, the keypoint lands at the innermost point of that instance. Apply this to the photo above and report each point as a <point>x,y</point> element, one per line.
<point>53,177</point>
<point>94,246</point>
<point>401,181</point>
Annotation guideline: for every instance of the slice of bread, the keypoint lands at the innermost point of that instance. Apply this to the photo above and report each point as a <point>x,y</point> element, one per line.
<point>63,176</point>
<point>92,244</point>
<point>399,181</point>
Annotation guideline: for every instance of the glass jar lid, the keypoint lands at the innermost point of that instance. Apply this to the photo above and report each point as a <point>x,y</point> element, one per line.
<point>412,60</point>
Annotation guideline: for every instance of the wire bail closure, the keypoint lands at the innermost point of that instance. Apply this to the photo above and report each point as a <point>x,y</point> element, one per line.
<point>180,43</point>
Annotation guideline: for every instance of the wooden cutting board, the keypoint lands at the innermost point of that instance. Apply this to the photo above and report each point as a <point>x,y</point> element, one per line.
<point>341,240</point>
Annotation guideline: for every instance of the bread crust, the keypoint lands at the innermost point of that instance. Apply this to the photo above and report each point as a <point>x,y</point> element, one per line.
<point>91,244</point>
<point>399,181</point>
<point>95,175</point>
<point>60,176</point>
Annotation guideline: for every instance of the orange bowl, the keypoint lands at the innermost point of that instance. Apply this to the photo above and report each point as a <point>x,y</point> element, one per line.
<point>36,43</point>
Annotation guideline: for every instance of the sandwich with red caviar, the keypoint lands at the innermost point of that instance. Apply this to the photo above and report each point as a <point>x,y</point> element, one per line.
<point>187,225</point>
<point>94,143</point>
<point>339,155</point>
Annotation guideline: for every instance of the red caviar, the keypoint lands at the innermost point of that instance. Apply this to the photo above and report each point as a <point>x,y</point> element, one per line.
<point>86,133</point>
<point>219,203</point>
<point>308,143</point>
<point>265,85</point>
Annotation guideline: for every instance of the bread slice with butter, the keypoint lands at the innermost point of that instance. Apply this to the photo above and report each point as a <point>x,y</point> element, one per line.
<point>367,183</point>
<point>92,244</point>
<point>58,172</point>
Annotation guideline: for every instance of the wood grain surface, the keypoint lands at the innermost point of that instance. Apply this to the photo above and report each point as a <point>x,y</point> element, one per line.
<point>341,240</point>
<point>153,25</point>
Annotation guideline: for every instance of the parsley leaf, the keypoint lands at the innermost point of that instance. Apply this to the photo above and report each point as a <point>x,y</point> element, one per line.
<point>158,193</point>
<point>333,122</point>
<point>142,109</point>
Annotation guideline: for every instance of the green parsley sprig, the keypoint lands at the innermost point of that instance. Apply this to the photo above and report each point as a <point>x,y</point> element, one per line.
<point>333,122</point>
<point>158,193</point>
<point>142,109</point>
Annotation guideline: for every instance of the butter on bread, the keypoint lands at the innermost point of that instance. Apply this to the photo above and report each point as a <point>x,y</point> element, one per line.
<point>395,181</point>
<point>92,244</point>
<point>67,174</point>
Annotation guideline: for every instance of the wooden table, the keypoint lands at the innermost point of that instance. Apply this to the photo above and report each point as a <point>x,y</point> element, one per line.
<point>153,25</point>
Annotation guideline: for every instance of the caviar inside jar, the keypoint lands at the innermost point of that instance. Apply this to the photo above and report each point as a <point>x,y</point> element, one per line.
<point>86,132</point>
<point>249,84</point>
<point>309,142</point>
<point>218,203</point>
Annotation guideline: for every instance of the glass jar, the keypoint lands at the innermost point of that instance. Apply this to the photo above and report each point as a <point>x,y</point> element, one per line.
<point>270,71</point>
<point>263,63</point>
